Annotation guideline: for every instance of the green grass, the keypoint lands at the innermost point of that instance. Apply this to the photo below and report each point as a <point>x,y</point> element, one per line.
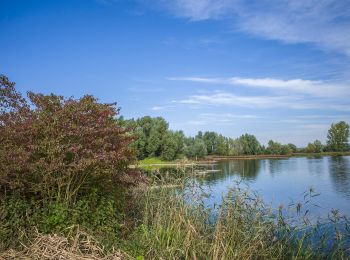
<point>153,163</point>
<point>152,160</point>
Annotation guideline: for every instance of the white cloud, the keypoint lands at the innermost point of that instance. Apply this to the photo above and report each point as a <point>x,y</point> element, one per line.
<point>221,119</point>
<point>160,108</point>
<point>322,22</point>
<point>224,98</point>
<point>157,108</point>
<point>325,23</point>
<point>315,126</point>
<point>312,87</point>
<point>263,102</point>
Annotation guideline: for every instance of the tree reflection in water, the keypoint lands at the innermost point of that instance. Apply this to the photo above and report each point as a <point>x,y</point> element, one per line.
<point>246,169</point>
<point>339,169</point>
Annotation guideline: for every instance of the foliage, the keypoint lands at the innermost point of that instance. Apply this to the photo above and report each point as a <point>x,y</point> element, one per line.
<point>249,144</point>
<point>315,147</point>
<point>172,145</point>
<point>293,147</point>
<point>51,146</point>
<point>195,147</point>
<point>311,148</point>
<point>211,141</point>
<point>338,136</point>
<point>154,139</point>
<point>318,146</point>
<point>277,148</point>
<point>97,212</point>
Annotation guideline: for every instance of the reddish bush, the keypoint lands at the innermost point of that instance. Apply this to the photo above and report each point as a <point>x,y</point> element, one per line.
<point>51,146</point>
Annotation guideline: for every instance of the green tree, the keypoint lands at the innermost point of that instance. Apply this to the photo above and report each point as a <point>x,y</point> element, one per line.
<point>199,148</point>
<point>195,147</point>
<point>249,144</point>
<point>311,148</point>
<point>179,138</point>
<point>157,133</point>
<point>211,141</point>
<point>293,147</point>
<point>338,136</point>
<point>318,146</point>
<point>285,149</point>
<point>169,147</point>
<point>222,147</point>
<point>273,147</point>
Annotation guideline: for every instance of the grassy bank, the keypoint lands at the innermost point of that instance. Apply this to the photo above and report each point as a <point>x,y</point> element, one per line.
<point>164,224</point>
<point>153,161</point>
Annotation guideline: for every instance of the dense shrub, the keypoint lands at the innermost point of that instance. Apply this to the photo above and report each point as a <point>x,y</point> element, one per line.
<point>51,146</point>
<point>97,213</point>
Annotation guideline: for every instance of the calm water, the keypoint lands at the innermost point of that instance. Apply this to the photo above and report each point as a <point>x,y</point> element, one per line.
<point>284,181</point>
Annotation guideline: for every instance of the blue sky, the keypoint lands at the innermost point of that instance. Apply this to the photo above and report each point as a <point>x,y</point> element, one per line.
<point>277,69</point>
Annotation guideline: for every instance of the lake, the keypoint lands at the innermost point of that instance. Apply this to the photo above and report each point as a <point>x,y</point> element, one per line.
<point>286,181</point>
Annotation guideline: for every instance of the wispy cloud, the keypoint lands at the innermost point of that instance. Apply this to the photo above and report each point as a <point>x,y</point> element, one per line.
<point>312,87</point>
<point>197,10</point>
<point>224,98</point>
<point>315,126</point>
<point>161,108</point>
<point>221,119</point>
<point>264,102</point>
<point>325,23</point>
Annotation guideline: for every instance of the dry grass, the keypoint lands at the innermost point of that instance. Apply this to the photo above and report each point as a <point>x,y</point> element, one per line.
<point>81,246</point>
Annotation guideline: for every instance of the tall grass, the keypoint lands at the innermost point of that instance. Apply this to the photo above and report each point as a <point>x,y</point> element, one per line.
<point>177,225</point>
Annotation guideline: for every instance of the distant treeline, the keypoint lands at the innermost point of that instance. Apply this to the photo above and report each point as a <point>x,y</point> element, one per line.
<point>154,139</point>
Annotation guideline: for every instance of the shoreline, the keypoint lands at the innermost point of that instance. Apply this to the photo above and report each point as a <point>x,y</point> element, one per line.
<point>213,159</point>
<point>274,156</point>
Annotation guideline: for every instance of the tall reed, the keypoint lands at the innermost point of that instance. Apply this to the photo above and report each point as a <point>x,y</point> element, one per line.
<point>177,225</point>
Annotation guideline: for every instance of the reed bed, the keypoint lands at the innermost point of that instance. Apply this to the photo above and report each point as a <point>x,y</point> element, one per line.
<point>177,225</point>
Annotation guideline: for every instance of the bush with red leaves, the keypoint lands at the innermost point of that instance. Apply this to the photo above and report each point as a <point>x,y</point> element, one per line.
<point>51,146</point>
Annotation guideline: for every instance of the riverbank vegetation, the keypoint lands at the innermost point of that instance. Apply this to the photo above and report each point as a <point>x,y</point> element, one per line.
<point>242,227</point>
<point>63,166</point>
<point>154,139</point>
<point>66,188</point>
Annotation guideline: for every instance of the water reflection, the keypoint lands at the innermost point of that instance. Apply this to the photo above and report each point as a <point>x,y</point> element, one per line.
<point>339,170</point>
<point>274,166</point>
<point>245,169</point>
<point>281,181</point>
